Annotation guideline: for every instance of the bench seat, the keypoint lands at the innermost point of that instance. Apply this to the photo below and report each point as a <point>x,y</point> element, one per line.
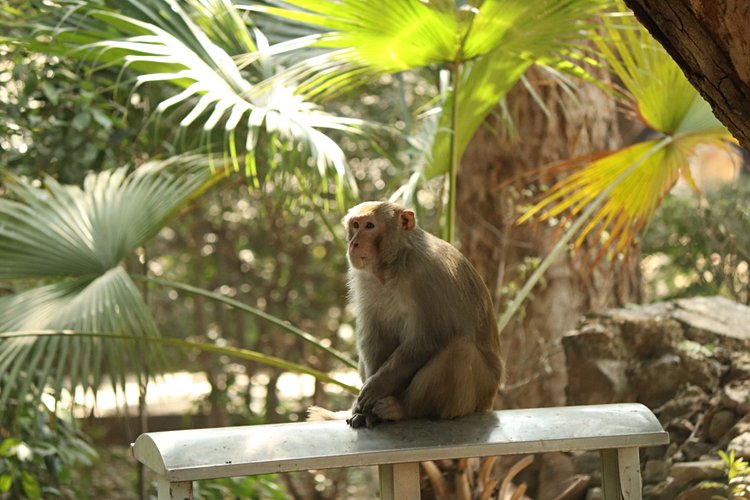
<point>618,431</point>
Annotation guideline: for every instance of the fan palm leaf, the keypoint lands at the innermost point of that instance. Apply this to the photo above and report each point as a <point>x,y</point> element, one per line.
<point>666,103</point>
<point>487,46</point>
<point>67,243</point>
<point>191,47</point>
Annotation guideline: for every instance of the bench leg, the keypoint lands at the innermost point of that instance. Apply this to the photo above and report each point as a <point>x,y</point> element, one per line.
<point>399,481</point>
<point>174,491</point>
<point>621,474</point>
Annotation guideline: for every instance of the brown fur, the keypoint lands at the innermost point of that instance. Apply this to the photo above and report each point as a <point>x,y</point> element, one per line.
<point>426,330</point>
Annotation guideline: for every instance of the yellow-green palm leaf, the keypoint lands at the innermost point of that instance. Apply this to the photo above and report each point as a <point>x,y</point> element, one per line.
<point>641,175</point>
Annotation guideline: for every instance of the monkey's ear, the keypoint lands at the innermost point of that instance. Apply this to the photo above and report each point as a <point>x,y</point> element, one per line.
<point>407,220</point>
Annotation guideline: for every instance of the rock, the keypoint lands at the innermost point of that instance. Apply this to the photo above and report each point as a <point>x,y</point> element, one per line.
<point>741,427</point>
<point>649,337</point>
<point>688,400</point>
<point>736,396</point>
<point>655,471</point>
<point>587,462</point>
<point>740,445</point>
<point>714,320</point>
<point>689,360</point>
<point>658,380</point>
<point>556,471</point>
<point>600,375</point>
<point>739,365</point>
<point>699,367</point>
<point>686,472</point>
<point>721,422</point>
<point>594,493</point>
<point>702,492</point>
<point>693,449</point>
<point>667,489</point>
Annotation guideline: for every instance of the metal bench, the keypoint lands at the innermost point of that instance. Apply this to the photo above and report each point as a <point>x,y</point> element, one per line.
<point>617,431</point>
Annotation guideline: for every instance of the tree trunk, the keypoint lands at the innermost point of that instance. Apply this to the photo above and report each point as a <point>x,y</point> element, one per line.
<point>499,248</point>
<point>710,41</point>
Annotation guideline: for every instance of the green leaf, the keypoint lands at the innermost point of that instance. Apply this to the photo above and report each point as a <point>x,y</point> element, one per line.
<point>74,239</point>
<point>30,486</point>
<point>236,352</point>
<point>190,47</point>
<point>8,447</point>
<point>667,103</point>
<point>50,92</point>
<point>6,481</point>
<point>81,121</point>
<point>664,98</point>
<point>483,83</point>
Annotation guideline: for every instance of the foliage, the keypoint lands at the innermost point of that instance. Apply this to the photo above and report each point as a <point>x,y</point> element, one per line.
<point>251,487</point>
<point>66,245</point>
<point>642,174</point>
<point>700,246</point>
<point>54,123</point>
<point>215,103</point>
<point>36,457</point>
<point>486,46</point>
<point>737,472</point>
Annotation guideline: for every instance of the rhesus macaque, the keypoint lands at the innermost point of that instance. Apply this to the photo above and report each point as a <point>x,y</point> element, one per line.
<point>426,330</point>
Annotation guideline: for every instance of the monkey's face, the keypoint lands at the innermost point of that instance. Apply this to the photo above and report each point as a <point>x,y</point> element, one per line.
<point>376,233</point>
<point>363,232</point>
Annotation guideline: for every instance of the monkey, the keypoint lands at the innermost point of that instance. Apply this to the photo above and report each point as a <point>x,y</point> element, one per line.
<point>426,332</point>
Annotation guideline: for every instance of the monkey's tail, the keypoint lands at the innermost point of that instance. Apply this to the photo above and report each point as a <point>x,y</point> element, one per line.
<point>317,414</point>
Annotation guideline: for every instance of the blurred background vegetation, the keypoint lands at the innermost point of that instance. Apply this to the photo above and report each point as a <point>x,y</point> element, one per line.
<point>216,144</point>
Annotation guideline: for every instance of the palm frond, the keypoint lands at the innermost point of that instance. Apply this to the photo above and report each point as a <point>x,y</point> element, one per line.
<point>71,242</point>
<point>285,325</point>
<point>371,39</point>
<point>667,103</point>
<point>183,45</point>
<point>234,352</point>
<point>664,98</point>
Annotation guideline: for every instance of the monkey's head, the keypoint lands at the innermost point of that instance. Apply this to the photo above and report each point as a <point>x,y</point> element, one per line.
<point>376,232</point>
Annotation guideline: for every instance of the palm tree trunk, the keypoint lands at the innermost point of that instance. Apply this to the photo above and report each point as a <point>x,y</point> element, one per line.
<point>500,249</point>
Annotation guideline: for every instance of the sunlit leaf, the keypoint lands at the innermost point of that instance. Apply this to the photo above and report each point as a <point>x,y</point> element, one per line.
<point>664,98</point>
<point>191,47</point>
<point>667,103</point>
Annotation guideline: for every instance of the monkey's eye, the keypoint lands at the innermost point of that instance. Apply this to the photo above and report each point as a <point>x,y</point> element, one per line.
<point>355,225</point>
<point>369,225</point>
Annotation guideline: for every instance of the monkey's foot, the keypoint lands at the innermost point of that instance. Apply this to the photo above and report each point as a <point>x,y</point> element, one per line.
<point>389,408</point>
<point>368,420</point>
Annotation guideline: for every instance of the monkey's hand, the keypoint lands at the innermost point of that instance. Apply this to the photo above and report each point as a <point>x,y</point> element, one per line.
<point>372,391</point>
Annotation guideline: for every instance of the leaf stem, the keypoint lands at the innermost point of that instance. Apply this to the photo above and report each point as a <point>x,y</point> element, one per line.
<point>449,231</point>
<point>255,312</point>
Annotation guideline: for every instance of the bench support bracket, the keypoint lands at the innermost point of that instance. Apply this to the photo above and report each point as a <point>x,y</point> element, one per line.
<point>399,481</point>
<point>621,474</point>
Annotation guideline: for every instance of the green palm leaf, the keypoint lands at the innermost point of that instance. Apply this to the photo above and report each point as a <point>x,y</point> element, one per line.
<point>486,45</point>
<point>74,239</point>
<point>191,46</point>
<point>668,104</point>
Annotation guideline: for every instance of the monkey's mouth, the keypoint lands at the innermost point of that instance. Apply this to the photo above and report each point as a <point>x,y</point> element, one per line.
<point>360,262</point>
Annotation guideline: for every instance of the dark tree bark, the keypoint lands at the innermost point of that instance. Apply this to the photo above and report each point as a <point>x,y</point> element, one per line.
<point>710,41</point>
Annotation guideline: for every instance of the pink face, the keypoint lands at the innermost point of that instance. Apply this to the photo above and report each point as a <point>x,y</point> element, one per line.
<point>363,230</point>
